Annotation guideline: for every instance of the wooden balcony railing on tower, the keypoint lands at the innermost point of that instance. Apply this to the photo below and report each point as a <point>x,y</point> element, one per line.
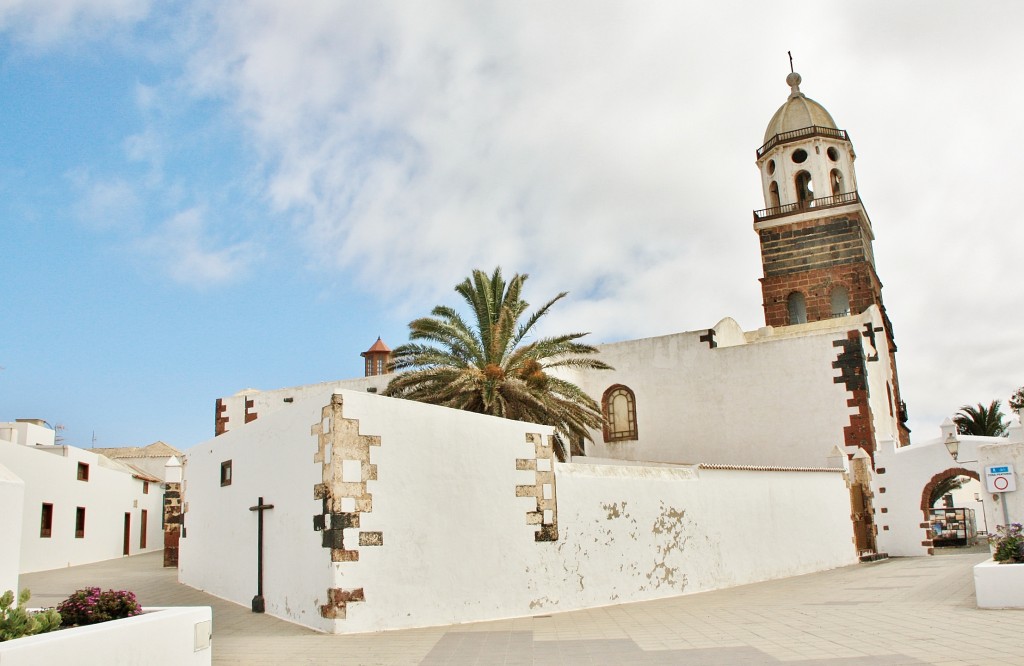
<point>812,204</point>
<point>802,133</point>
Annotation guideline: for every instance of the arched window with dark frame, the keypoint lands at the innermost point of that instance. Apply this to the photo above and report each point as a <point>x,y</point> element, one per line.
<point>619,407</point>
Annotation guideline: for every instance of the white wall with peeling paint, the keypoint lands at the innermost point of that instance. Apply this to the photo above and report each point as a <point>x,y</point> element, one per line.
<point>457,546</point>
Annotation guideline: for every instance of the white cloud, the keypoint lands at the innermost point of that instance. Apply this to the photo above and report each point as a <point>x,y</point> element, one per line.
<point>184,249</point>
<point>105,205</point>
<point>608,149</point>
<point>45,22</point>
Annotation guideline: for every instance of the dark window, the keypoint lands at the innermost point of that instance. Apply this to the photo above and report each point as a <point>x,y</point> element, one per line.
<point>225,473</point>
<point>46,524</point>
<point>80,522</point>
<point>83,471</point>
<point>619,406</point>
<point>145,487</point>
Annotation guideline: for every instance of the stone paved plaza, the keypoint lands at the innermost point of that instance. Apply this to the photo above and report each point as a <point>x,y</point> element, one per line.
<point>899,611</point>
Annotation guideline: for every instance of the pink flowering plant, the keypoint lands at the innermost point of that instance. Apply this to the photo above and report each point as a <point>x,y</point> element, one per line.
<point>89,606</point>
<point>1009,544</point>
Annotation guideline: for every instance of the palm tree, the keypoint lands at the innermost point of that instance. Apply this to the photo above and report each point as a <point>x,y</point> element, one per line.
<point>981,420</point>
<point>486,365</point>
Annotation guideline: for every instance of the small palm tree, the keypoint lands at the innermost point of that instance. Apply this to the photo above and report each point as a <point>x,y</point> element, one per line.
<point>982,421</point>
<point>487,365</point>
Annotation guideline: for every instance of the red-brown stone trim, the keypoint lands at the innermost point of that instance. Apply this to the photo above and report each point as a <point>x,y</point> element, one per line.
<point>249,415</point>
<point>220,418</point>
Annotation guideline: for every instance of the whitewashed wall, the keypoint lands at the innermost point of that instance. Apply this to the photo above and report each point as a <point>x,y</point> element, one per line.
<point>456,543</point>
<point>898,491</point>
<point>763,398</point>
<point>271,457</point>
<point>1001,453</point>
<point>272,400</point>
<point>50,476</point>
<point>12,501</point>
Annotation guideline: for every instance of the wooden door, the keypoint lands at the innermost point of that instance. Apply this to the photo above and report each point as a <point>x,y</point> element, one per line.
<point>127,531</point>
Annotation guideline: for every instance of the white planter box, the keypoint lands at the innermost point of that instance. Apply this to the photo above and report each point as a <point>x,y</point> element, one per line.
<point>999,585</point>
<point>170,636</point>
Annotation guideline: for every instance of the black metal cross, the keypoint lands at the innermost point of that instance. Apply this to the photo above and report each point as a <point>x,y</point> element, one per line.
<point>790,54</point>
<point>258,604</point>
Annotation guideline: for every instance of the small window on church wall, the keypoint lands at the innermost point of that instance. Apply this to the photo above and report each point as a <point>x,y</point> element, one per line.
<point>840,302</point>
<point>799,155</point>
<point>833,154</point>
<point>225,473</point>
<point>619,405</point>
<point>773,195</point>
<point>837,182</point>
<point>771,167</point>
<point>804,187</point>
<point>797,308</point>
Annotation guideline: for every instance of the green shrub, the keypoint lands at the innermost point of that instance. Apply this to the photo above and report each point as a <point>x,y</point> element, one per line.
<point>17,622</point>
<point>89,606</point>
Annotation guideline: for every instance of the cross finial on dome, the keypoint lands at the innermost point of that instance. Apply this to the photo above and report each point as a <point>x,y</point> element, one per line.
<point>793,79</point>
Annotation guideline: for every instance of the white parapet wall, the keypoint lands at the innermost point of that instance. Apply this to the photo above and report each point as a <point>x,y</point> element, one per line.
<point>159,637</point>
<point>389,514</point>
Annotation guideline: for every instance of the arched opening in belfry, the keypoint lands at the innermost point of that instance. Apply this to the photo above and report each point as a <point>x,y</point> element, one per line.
<point>773,195</point>
<point>840,301</point>
<point>837,182</point>
<point>804,188</point>
<point>797,307</point>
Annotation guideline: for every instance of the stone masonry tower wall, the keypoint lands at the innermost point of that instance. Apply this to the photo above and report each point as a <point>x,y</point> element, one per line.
<point>815,233</point>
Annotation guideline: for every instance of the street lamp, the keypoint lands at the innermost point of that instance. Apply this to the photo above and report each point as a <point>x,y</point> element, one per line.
<point>952,444</point>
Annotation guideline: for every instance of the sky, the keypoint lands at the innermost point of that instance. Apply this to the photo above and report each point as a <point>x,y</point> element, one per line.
<point>202,197</point>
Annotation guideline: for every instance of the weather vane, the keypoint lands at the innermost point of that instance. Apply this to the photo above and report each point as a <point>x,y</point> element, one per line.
<point>790,54</point>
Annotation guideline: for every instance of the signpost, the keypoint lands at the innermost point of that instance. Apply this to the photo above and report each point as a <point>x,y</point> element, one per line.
<point>258,604</point>
<point>1001,479</point>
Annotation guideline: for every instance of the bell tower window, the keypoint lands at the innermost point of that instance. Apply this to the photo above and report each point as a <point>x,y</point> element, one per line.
<point>836,176</point>
<point>840,302</point>
<point>797,306</point>
<point>804,188</point>
<point>773,195</point>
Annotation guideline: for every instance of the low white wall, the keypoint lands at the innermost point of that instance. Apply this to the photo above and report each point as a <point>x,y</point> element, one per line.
<point>50,476</point>
<point>160,636</point>
<point>12,501</point>
<point>999,585</point>
<point>457,546</point>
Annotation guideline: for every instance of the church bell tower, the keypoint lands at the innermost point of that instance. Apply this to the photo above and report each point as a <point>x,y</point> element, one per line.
<point>814,232</point>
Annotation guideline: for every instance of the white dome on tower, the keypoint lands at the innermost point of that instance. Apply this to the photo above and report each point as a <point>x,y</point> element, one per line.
<point>798,112</point>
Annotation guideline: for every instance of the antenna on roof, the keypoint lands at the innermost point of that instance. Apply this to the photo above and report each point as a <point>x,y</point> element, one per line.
<point>93,440</point>
<point>790,54</point>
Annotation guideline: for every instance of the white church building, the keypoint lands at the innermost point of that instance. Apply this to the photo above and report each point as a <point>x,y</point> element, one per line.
<point>728,456</point>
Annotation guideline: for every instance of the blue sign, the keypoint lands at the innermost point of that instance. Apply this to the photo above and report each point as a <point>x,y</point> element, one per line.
<point>998,470</point>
